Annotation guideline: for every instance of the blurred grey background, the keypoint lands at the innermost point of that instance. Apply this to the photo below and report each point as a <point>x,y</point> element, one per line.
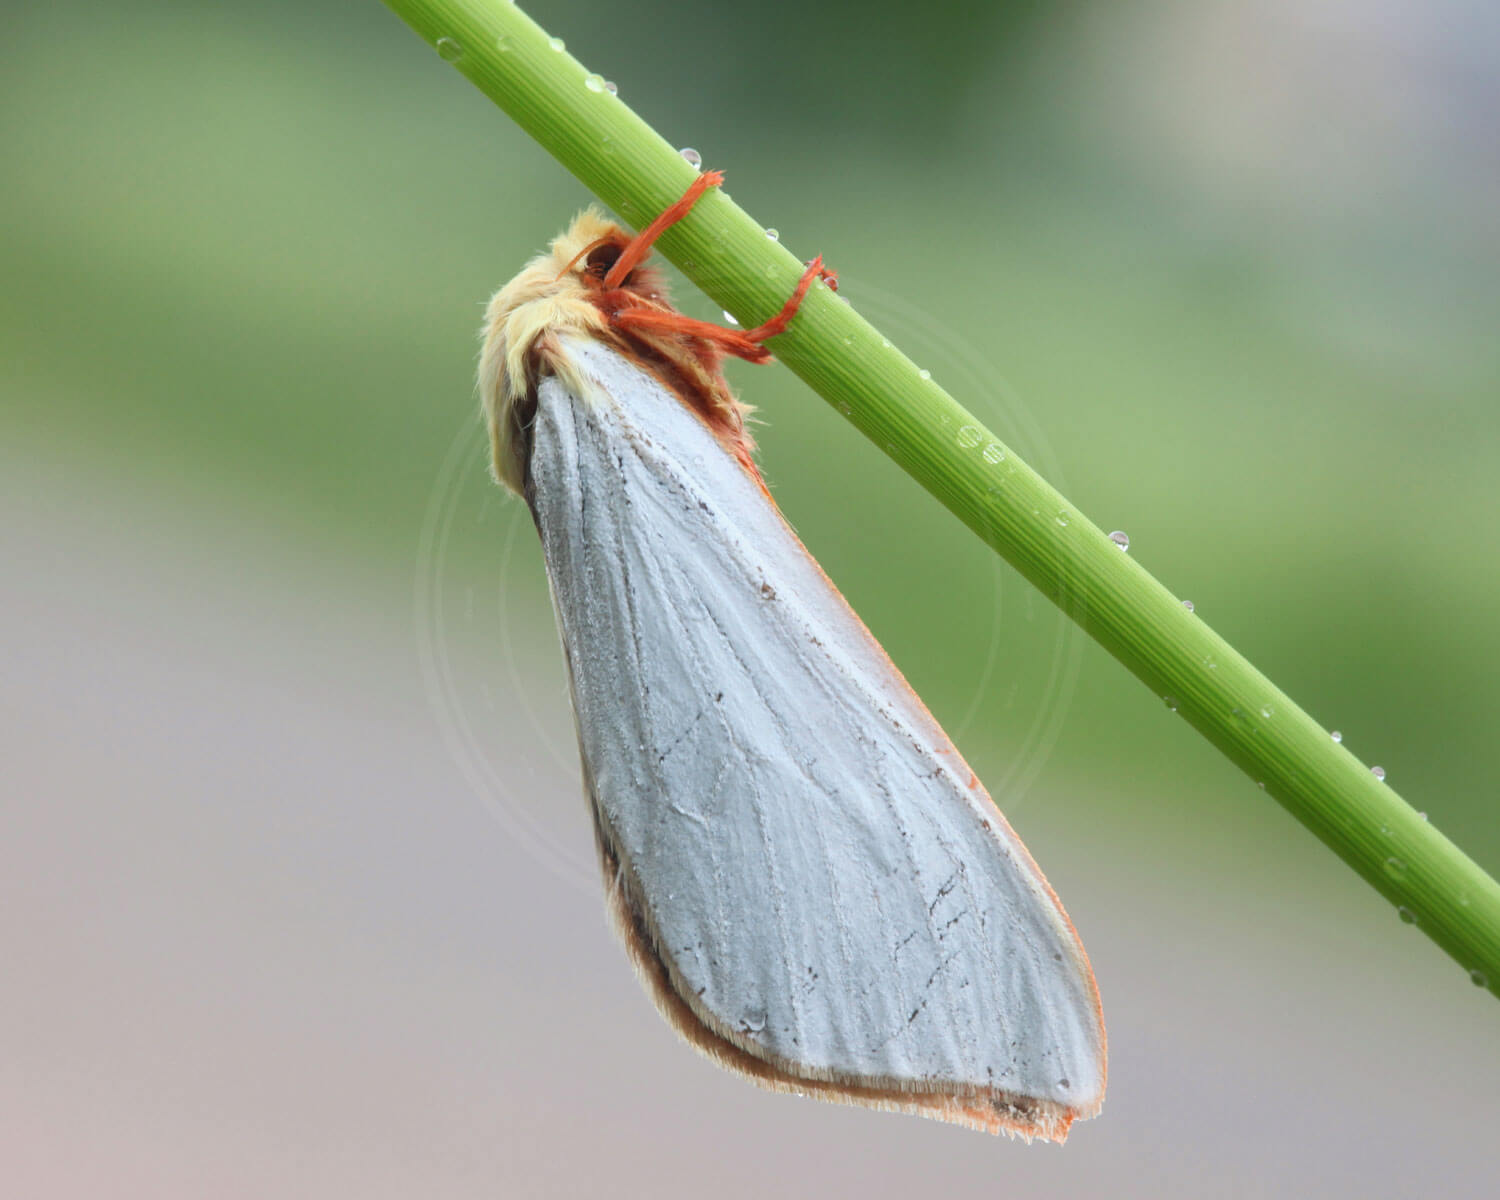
<point>296,882</point>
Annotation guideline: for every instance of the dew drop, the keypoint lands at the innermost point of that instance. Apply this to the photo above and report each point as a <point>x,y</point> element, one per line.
<point>557,43</point>
<point>886,342</point>
<point>1188,604</point>
<point>773,234</point>
<point>969,437</point>
<point>1062,518</point>
<point>729,316</point>
<point>1267,711</point>
<point>1478,978</point>
<point>993,453</point>
<point>1336,736</point>
<point>1121,539</point>
<point>1407,916</point>
<point>924,373</point>
<point>1422,815</point>
<point>1261,783</point>
<point>1170,702</point>
<point>449,50</point>
<point>1378,772</point>
<point>502,44</point>
<point>843,407</point>
<point>755,1020</point>
<point>594,83</point>
<point>691,157</point>
<point>1395,867</point>
<point>611,87</point>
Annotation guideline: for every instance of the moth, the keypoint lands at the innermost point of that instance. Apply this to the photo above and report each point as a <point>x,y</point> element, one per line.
<point>813,887</point>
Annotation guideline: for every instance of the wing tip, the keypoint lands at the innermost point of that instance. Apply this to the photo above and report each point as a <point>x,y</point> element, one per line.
<point>987,1110</point>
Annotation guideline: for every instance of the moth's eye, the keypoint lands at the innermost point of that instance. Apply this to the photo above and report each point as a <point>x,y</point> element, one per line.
<point>601,258</point>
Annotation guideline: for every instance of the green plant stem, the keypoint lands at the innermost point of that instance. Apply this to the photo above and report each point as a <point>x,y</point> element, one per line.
<point>846,361</point>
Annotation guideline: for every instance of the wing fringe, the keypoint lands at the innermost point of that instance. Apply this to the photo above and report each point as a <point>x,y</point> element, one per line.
<point>989,1110</point>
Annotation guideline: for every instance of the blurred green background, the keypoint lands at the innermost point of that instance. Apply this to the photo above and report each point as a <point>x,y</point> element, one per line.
<point>295,842</point>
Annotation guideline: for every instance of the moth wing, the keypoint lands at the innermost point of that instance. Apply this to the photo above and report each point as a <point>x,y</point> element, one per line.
<point>815,887</point>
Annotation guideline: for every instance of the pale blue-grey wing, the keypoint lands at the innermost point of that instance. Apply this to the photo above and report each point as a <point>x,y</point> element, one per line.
<point>827,885</point>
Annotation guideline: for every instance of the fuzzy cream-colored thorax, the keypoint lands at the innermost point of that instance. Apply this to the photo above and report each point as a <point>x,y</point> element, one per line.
<point>548,298</point>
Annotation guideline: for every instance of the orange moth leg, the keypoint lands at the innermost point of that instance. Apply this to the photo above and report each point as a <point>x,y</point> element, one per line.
<point>730,341</point>
<point>640,245</point>
<point>778,323</point>
<point>744,344</point>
